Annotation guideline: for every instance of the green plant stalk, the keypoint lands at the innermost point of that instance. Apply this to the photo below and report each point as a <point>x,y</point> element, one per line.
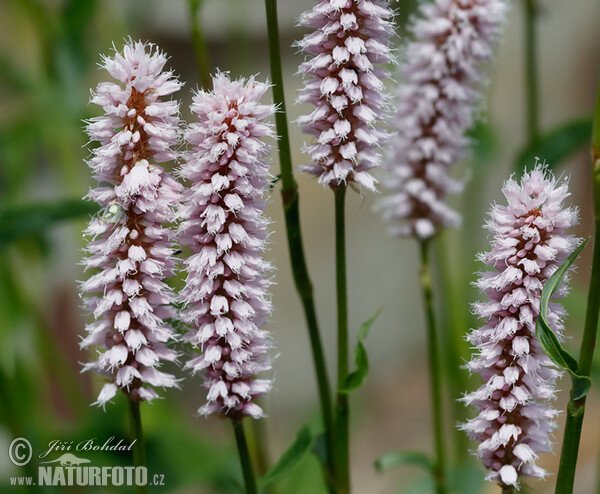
<point>200,48</point>
<point>139,448</point>
<point>244,453</point>
<point>453,331</point>
<point>531,72</point>
<point>289,193</point>
<point>259,445</point>
<point>576,408</point>
<point>342,446</point>
<point>435,370</point>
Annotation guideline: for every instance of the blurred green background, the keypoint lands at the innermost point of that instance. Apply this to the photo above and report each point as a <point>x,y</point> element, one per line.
<point>49,51</point>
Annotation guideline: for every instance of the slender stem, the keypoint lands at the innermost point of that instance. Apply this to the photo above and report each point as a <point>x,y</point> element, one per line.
<point>531,72</point>
<point>576,408</point>
<point>452,338</point>
<point>259,446</point>
<point>289,192</point>
<point>435,370</point>
<point>139,447</point>
<point>200,48</point>
<point>342,448</point>
<point>244,453</point>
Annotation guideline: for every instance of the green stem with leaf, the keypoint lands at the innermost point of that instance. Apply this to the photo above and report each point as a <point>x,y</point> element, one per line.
<point>291,206</point>
<point>342,446</point>
<point>576,407</point>
<point>139,448</point>
<point>435,370</point>
<point>200,48</point>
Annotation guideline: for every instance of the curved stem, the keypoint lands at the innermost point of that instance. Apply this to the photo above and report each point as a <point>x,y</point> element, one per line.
<point>244,454</point>
<point>342,447</point>
<point>200,48</point>
<point>289,192</point>
<point>435,370</point>
<point>139,448</point>
<point>531,72</point>
<point>576,408</point>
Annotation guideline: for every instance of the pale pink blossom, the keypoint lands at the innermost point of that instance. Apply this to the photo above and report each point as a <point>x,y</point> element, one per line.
<point>529,243</point>
<point>349,39</point>
<point>226,295</point>
<point>131,249</point>
<point>442,77</point>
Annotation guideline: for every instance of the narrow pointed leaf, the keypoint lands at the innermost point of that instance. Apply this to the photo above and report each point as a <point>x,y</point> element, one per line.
<point>291,458</point>
<point>547,337</point>
<point>361,360</point>
<point>397,458</point>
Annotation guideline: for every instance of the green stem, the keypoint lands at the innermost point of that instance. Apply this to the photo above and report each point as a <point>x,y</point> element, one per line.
<point>435,370</point>
<point>244,453</point>
<point>453,330</point>
<point>200,48</point>
<point>139,448</point>
<point>531,72</point>
<point>342,448</point>
<point>576,408</point>
<point>289,193</point>
<point>259,445</point>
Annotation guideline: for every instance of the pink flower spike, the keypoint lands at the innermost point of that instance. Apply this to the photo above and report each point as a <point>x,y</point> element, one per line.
<point>226,296</point>
<point>442,77</point>
<point>530,242</point>
<point>349,39</point>
<point>130,248</point>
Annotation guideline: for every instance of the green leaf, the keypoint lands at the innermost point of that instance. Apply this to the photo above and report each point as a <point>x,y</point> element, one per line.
<point>32,218</point>
<point>547,337</point>
<point>395,458</point>
<point>558,144</point>
<point>361,360</point>
<point>291,458</point>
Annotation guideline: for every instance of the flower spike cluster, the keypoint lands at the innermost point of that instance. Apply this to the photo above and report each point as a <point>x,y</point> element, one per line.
<point>223,223</point>
<point>442,78</point>
<point>349,38</point>
<point>130,248</point>
<point>530,242</point>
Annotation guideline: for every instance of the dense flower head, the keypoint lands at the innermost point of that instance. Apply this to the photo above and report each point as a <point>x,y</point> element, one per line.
<point>130,246</point>
<point>223,223</point>
<point>349,38</point>
<point>529,243</point>
<point>441,81</point>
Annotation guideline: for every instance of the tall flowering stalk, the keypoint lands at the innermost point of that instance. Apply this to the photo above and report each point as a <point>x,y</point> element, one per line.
<point>348,39</point>
<point>442,78</point>
<point>226,293</point>
<point>131,248</point>
<point>441,82</point>
<point>529,243</point>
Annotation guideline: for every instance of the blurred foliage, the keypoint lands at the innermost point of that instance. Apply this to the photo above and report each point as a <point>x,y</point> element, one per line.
<point>557,145</point>
<point>48,58</point>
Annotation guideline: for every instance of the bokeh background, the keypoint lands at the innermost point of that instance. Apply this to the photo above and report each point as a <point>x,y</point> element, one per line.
<point>49,51</point>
